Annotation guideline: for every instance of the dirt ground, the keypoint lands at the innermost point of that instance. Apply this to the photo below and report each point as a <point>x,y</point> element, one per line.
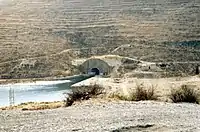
<point>102,116</point>
<point>124,86</point>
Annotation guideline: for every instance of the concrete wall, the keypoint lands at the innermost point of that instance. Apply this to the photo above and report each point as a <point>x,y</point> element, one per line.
<point>103,67</point>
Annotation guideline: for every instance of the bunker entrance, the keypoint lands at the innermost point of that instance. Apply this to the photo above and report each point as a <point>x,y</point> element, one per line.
<point>197,70</point>
<point>95,71</point>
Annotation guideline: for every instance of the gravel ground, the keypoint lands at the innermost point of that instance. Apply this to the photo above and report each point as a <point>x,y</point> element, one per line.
<point>105,116</point>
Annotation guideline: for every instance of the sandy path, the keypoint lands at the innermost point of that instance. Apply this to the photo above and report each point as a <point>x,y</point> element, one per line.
<point>105,116</point>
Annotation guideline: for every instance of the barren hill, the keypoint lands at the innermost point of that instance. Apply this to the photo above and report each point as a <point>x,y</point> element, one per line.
<point>41,29</point>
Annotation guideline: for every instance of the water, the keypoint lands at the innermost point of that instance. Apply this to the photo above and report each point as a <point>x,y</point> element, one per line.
<point>38,92</point>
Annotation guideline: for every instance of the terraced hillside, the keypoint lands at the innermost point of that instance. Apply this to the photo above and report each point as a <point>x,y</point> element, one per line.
<point>35,29</point>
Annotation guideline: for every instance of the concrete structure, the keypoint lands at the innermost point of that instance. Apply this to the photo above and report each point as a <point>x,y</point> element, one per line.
<point>96,66</point>
<point>102,65</point>
<point>28,63</point>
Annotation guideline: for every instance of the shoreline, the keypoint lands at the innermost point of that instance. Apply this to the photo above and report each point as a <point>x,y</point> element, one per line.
<point>13,81</point>
<point>101,113</point>
<point>30,106</point>
<point>122,86</point>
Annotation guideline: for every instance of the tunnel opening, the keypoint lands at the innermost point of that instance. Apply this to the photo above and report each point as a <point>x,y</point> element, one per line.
<point>95,67</point>
<point>197,70</point>
<point>95,71</point>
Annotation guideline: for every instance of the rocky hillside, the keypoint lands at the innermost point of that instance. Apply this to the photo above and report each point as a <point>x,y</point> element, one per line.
<point>35,29</point>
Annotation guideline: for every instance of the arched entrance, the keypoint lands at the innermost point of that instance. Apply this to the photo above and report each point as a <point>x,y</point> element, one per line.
<point>95,71</point>
<point>95,67</point>
<point>197,70</point>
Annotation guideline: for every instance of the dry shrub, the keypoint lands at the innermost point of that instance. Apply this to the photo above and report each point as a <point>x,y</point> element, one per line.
<point>141,93</point>
<point>184,94</point>
<point>120,96</point>
<point>145,94</point>
<point>92,91</point>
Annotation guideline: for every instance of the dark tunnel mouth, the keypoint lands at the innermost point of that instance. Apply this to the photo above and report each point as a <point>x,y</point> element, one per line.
<point>95,71</point>
<point>197,72</point>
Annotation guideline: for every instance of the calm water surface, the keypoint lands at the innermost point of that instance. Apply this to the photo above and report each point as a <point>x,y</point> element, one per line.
<point>37,92</point>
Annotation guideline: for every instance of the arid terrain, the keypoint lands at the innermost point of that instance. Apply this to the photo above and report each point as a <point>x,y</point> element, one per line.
<point>149,40</point>
<point>40,38</point>
<point>105,113</point>
<point>113,88</point>
<point>125,86</point>
<point>104,116</point>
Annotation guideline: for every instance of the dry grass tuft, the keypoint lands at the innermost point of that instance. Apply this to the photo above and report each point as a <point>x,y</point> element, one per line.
<point>141,93</point>
<point>92,91</point>
<point>35,106</point>
<point>120,96</point>
<point>145,94</point>
<point>184,94</point>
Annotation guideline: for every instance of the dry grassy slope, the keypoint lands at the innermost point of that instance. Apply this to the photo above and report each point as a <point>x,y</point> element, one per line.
<point>32,28</point>
<point>154,52</point>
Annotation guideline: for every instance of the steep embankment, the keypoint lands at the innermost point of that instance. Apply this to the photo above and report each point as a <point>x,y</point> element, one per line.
<point>41,28</point>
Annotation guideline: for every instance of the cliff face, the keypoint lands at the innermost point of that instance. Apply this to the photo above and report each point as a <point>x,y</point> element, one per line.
<point>41,28</point>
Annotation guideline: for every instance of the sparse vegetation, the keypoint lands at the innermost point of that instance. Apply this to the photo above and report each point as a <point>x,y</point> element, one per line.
<point>48,40</point>
<point>184,94</point>
<point>145,94</point>
<point>141,93</point>
<point>92,91</point>
<point>120,96</point>
<point>34,106</point>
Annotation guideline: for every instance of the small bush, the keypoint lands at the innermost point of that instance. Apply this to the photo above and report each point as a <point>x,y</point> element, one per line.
<point>140,94</point>
<point>145,94</point>
<point>184,94</point>
<point>92,91</point>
